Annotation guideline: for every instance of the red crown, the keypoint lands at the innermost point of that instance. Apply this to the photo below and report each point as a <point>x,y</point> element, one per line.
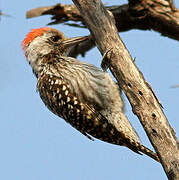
<point>32,35</point>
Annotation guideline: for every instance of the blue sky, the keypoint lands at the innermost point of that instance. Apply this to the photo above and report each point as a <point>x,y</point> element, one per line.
<point>36,144</point>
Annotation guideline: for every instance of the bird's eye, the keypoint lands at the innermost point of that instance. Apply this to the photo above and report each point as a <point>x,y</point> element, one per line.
<point>55,38</point>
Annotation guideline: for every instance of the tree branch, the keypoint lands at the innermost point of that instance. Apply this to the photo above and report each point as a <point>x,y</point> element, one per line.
<point>141,96</point>
<point>82,48</point>
<point>157,15</point>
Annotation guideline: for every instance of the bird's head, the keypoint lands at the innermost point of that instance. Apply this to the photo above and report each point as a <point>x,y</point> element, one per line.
<point>42,41</point>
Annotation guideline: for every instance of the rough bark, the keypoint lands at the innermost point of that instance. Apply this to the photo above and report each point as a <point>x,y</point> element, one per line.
<point>157,15</point>
<point>141,96</point>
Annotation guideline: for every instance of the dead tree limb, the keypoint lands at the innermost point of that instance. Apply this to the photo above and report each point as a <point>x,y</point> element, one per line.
<point>157,15</point>
<point>141,96</point>
<point>82,48</point>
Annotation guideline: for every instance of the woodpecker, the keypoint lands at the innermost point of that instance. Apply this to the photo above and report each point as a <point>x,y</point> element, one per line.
<point>80,93</point>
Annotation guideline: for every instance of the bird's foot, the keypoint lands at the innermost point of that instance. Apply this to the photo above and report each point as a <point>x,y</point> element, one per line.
<point>105,59</point>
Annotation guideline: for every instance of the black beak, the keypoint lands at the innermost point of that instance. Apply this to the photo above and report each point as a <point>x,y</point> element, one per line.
<point>74,41</point>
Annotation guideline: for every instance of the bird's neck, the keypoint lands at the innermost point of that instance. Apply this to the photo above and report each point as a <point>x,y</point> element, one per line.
<point>36,62</point>
<point>40,57</point>
<point>40,60</point>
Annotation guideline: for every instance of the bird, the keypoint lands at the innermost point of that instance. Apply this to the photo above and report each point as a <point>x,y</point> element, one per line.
<point>82,94</point>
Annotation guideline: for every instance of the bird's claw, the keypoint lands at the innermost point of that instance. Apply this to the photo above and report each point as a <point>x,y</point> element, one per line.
<point>105,61</point>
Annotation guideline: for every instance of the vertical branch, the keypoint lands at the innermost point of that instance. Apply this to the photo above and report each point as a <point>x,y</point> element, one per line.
<point>141,96</point>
